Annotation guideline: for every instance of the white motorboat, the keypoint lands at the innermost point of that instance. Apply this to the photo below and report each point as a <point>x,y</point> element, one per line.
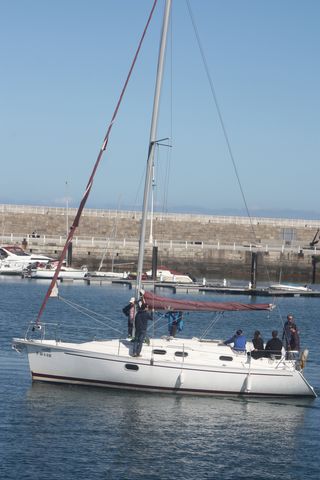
<point>179,365</point>
<point>169,276</point>
<point>13,259</point>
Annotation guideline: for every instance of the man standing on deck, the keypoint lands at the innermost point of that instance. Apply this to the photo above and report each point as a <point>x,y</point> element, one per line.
<point>294,339</point>
<point>141,323</point>
<point>286,334</point>
<point>129,311</point>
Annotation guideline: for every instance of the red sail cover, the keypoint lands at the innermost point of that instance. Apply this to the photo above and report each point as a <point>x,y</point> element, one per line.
<point>164,303</point>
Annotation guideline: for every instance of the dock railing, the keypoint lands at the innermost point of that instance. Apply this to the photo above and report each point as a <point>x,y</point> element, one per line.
<point>40,242</point>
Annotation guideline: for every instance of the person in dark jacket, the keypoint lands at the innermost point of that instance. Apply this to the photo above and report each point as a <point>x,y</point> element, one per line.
<point>286,334</point>
<point>257,341</point>
<point>274,346</point>
<point>294,344</point>
<point>141,324</point>
<point>238,340</point>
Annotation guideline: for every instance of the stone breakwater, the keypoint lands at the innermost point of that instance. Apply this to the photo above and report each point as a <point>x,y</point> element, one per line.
<point>202,245</point>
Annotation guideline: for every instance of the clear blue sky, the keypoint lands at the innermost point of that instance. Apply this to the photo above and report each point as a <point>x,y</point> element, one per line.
<point>63,64</point>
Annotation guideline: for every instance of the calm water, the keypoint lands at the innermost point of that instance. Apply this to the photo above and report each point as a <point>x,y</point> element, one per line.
<point>66,432</point>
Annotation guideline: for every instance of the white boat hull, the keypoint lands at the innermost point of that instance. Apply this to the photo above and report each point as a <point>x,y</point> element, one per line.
<point>290,288</point>
<point>63,274</point>
<point>12,268</point>
<point>100,274</point>
<point>208,368</point>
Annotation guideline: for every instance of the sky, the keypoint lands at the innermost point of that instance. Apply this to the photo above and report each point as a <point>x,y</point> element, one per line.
<point>63,65</point>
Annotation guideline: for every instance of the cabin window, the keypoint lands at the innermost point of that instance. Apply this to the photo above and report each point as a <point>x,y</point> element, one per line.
<point>131,366</point>
<point>226,359</point>
<point>159,352</point>
<point>181,354</point>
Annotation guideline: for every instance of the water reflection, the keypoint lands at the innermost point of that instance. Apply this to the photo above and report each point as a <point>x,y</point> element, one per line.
<point>188,431</point>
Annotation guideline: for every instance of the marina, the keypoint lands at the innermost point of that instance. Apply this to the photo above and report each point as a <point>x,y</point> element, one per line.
<point>203,245</point>
<point>137,343</point>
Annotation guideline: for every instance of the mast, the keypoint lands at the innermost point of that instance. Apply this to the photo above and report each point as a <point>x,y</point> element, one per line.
<point>152,206</point>
<point>152,141</point>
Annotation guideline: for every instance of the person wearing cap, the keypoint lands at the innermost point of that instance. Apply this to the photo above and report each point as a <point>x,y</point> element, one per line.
<point>258,347</point>
<point>286,334</point>
<point>274,346</point>
<point>141,300</point>
<point>239,341</point>
<point>141,324</point>
<point>129,311</point>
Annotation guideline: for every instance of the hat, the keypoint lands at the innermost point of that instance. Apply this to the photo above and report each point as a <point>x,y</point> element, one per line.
<point>239,332</point>
<point>132,300</point>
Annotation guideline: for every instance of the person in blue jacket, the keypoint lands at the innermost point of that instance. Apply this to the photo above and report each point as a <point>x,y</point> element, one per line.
<point>175,322</point>
<point>238,340</point>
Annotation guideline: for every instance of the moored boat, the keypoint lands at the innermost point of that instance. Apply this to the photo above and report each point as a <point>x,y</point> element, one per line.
<point>290,288</point>
<point>47,271</point>
<point>13,259</point>
<point>170,276</point>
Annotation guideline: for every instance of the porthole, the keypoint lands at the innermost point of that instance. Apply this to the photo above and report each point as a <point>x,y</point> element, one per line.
<point>159,352</point>
<point>226,359</point>
<point>181,354</point>
<point>131,366</point>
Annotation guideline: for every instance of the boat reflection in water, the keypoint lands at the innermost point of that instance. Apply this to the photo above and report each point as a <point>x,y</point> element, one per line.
<point>192,432</point>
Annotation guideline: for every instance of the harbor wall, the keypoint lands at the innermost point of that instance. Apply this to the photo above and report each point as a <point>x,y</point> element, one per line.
<point>202,245</point>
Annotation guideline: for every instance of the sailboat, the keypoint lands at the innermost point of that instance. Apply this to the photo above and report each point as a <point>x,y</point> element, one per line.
<point>47,271</point>
<point>168,364</point>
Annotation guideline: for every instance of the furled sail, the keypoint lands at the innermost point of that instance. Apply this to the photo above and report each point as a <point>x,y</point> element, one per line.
<point>165,303</point>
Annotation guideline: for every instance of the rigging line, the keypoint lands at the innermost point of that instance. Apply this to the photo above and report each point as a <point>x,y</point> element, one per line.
<point>90,316</point>
<point>213,322</point>
<point>214,95</point>
<point>85,309</point>
<point>157,319</point>
<point>228,143</point>
<point>90,182</point>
